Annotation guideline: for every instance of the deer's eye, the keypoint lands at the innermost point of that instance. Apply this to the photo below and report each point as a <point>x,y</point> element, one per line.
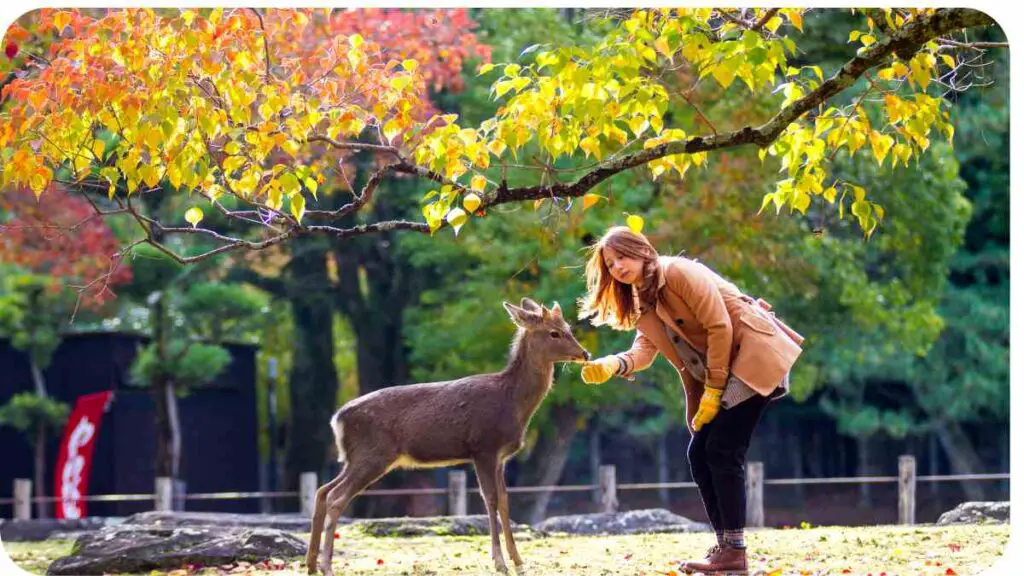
<point>556,334</point>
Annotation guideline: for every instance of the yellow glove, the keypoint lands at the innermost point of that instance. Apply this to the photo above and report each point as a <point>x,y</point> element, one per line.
<point>710,402</point>
<point>600,370</point>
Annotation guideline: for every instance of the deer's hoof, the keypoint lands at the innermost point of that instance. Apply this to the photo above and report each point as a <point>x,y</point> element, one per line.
<point>522,569</point>
<point>501,568</point>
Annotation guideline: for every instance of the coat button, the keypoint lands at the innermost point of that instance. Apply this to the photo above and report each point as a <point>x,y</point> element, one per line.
<point>679,321</point>
<point>694,359</point>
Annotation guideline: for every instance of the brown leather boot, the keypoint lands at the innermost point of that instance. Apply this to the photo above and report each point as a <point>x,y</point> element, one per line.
<point>728,560</point>
<point>694,565</point>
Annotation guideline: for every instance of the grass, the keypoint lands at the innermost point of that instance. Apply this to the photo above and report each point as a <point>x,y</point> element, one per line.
<point>892,550</point>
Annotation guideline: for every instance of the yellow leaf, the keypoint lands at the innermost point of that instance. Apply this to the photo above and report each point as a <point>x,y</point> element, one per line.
<point>773,23</point>
<point>635,223</point>
<point>471,202</point>
<point>854,35</point>
<point>949,60</point>
<point>590,199</point>
<point>496,147</point>
<point>297,203</point>
<point>880,145</point>
<point>355,40</point>
<point>478,183</point>
<point>400,82</point>
<point>391,129</point>
<point>638,124</point>
<point>830,194</point>
<point>796,18</point>
<point>410,65</point>
<point>98,148</point>
<point>194,215</point>
<point>726,71</point>
<point>867,40</point>
<point>661,45</point>
<point>485,69</point>
<point>502,86</point>
<point>512,70</point>
<point>456,217</point>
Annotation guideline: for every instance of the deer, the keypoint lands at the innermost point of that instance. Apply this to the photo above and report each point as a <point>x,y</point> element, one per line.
<point>480,419</point>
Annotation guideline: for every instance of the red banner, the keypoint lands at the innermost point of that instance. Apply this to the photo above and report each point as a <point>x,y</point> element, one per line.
<point>71,476</point>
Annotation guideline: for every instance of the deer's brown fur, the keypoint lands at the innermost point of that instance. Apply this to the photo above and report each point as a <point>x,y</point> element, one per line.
<point>480,419</point>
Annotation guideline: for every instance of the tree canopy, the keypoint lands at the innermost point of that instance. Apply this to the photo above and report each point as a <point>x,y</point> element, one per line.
<point>254,114</point>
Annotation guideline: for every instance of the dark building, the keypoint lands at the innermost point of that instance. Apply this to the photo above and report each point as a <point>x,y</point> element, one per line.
<point>219,426</point>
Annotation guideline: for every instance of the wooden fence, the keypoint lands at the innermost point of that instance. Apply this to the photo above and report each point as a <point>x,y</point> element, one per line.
<point>457,493</point>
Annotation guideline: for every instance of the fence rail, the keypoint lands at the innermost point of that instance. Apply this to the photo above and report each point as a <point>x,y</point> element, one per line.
<point>456,491</point>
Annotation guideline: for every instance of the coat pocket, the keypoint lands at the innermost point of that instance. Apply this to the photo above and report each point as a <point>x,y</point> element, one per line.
<point>759,324</point>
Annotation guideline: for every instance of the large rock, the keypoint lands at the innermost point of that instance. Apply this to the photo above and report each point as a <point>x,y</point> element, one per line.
<point>35,529</point>
<point>656,520</point>
<point>287,522</point>
<point>137,548</point>
<point>977,513</point>
<point>433,526</point>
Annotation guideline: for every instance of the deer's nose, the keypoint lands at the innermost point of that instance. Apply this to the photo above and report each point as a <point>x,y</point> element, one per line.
<point>586,355</point>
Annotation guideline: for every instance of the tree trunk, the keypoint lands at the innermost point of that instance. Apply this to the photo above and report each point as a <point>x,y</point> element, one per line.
<point>796,454</point>
<point>595,459</point>
<point>663,469</point>
<point>39,474</point>
<point>962,457</point>
<point>864,469</point>
<point>42,509</point>
<point>552,453</point>
<point>313,381</point>
<point>375,286</point>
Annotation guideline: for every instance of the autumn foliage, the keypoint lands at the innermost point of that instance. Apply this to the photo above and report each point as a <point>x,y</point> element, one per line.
<point>62,237</point>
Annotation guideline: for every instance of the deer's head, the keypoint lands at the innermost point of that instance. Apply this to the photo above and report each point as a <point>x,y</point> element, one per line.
<point>546,331</point>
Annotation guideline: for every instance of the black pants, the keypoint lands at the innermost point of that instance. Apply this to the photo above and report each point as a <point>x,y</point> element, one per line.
<point>717,454</point>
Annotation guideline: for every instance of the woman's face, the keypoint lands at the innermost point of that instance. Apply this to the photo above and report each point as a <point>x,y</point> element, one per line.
<point>623,268</point>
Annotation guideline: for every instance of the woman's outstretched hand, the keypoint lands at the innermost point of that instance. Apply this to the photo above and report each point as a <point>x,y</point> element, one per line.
<point>710,402</point>
<point>600,370</point>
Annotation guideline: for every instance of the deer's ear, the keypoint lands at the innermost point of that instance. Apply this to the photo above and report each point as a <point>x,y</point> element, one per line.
<point>520,317</point>
<point>529,304</point>
<point>556,310</point>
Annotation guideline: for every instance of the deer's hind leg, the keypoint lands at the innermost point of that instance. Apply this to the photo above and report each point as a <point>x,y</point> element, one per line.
<point>486,474</point>
<point>317,526</point>
<point>359,473</point>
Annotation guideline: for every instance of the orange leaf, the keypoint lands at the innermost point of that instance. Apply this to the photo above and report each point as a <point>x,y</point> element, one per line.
<point>590,199</point>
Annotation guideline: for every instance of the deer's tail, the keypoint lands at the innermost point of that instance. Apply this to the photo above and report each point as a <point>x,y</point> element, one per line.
<point>339,432</point>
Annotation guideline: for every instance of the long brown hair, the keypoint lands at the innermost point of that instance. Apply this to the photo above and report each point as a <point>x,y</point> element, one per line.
<point>609,301</point>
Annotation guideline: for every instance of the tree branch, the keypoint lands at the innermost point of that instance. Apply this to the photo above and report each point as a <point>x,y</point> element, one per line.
<point>909,38</point>
<point>764,19</point>
<point>353,145</point>
<point>266,43</point>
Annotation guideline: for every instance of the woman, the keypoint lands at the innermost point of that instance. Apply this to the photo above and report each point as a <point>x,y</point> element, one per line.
<point>732,354</point>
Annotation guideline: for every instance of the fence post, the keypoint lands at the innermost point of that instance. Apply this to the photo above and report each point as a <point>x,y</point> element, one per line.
<point>755,494</point>
<point>609,498</point>
<point>456,492</point>
<point>164,494</point>
<point>908,489</point>
<point>307,493</point>
<point>22,498</point>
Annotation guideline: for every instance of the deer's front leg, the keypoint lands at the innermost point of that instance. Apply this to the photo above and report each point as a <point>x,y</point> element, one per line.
<point>506,520</point>
<point>486,469</point>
